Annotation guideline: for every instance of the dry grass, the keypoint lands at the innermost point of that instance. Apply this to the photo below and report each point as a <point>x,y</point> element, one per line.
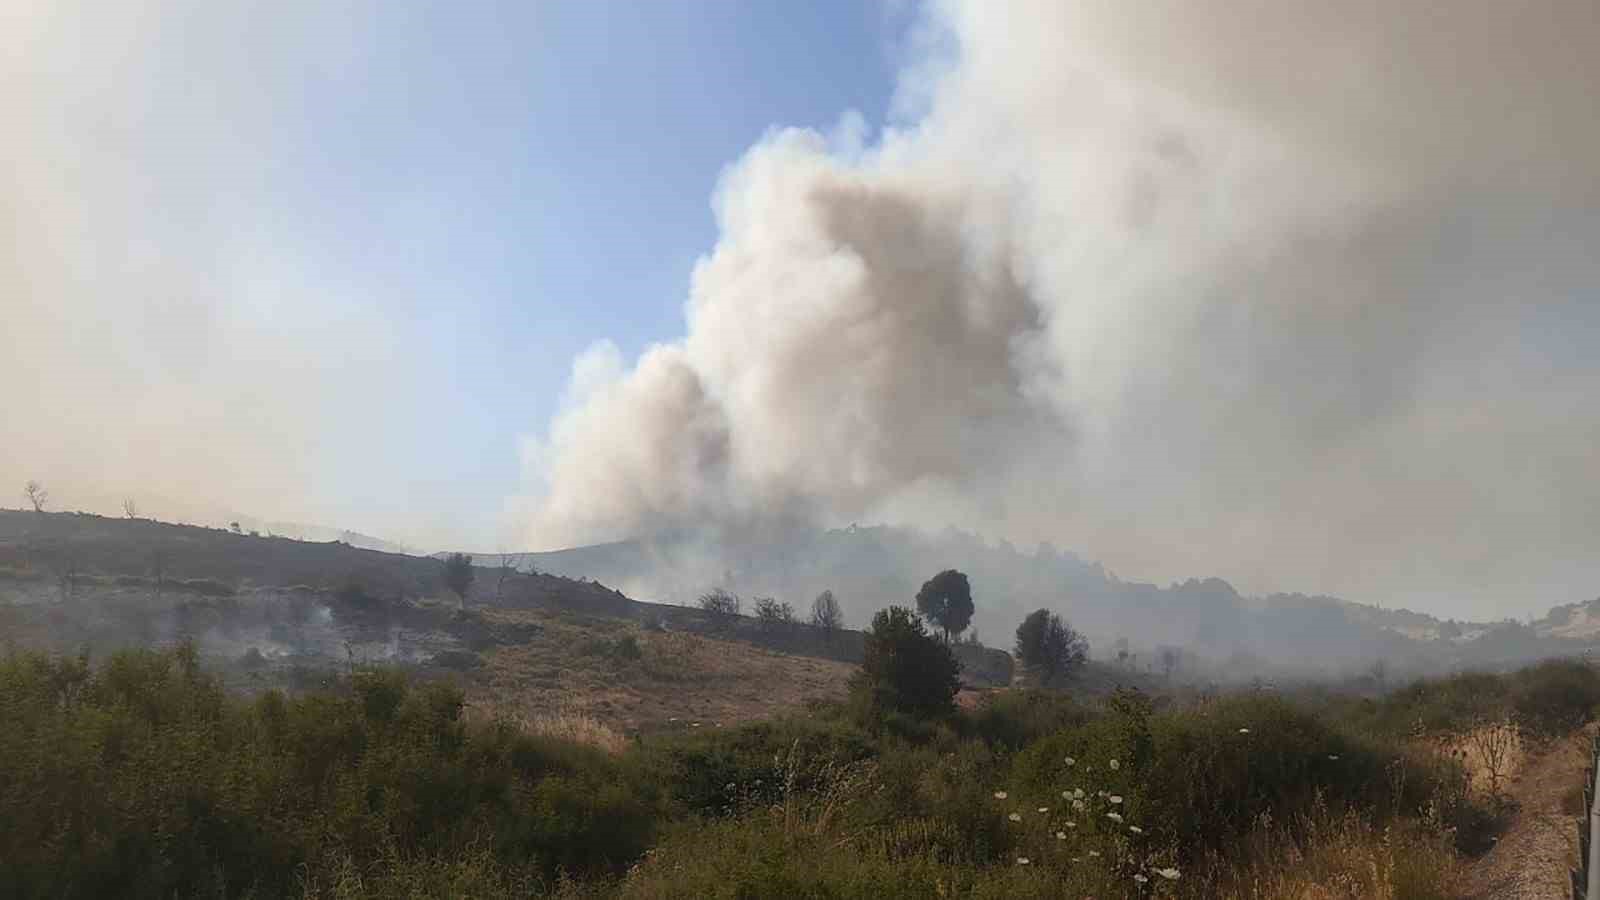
<point>579,727</point>
<point>1344,858</point>
<point>575,669</point>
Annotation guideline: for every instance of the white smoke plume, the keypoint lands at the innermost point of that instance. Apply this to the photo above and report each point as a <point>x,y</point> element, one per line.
<point>1301,294</point>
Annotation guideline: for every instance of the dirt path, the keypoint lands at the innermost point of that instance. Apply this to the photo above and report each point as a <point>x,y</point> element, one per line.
<point>1531,859</point>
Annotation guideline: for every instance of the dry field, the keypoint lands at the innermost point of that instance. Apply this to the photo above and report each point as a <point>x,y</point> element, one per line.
<point>581,676</point>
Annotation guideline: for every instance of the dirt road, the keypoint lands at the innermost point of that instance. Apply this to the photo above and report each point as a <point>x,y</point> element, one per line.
<point>1531,859</point>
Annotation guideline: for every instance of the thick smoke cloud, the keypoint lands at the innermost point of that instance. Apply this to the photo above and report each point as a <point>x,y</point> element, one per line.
<point>1298,294</point>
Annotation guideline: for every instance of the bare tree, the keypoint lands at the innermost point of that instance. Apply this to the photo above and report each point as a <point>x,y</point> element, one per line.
<point>130,508</point>
<point>36,495</point>
<point>722,605</point>
<point>1493,741</point>
<point>825,613</point>
<point>508,569</point>
<point>774,616</point>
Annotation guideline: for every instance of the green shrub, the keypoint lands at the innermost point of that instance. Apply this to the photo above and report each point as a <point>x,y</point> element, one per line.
<point>141,777</point>
<point>1554,698</point>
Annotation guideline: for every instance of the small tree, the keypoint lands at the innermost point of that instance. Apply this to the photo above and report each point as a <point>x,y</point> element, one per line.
<point>1048,646</point>
<point>1493,741</point>
<point>459,575</point>
<point>722,605</point>
<point>508,569</point>
<point>130,509</point>
<point>773,616</point>
<point>825,613</point>
<point>946,601</point>
<point>36,495</point>
<point>904,669</point>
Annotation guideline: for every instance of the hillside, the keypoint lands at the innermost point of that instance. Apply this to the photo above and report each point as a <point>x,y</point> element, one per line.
<point>279,611</point>
<point>1232,635</point>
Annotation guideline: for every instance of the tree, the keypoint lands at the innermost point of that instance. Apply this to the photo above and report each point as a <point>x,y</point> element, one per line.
<point>459,575</point>
<point>772,615</point>
<point>508,568</point>
<point>36,495</point>
<point>722,605</point>
<point>130,508</point>
<point>825,613</point>
<point>1048,646</point>
<point>946,601</point>
<point>905,669</point>
<point>1493,741</point>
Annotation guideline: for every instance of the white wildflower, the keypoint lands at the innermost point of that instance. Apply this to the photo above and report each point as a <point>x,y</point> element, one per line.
<point>1168,874</point>
<point>1244,731</point>
<point>1022,860</point>
<point>1071,824</point>
<point>1094,852</point>
<point>1140,878</point>
<point>1015,817</point>
<point>999,795</point>
<point>1333,756</point>
<point>1061,835</point>
<point>1066,795</point>
<point>1044,809</point>
<point>1114,765</point>
<point>1071,761</point>
<point>1115,817</point>
<point>1078,792</point>
<point>1115,799</point>
<point>1078,805</point>
<point>1136,829</point>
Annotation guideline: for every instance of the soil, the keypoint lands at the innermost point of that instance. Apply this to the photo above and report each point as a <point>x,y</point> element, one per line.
<point>1533,857</point>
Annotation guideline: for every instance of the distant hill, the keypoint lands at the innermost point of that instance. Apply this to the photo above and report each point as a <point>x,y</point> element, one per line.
<point>872,567</point>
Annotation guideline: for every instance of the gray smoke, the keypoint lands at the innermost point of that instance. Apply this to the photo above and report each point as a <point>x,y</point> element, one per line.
<point>1295,293</point>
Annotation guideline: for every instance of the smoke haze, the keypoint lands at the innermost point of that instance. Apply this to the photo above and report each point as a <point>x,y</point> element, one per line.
<point>1297,294</point>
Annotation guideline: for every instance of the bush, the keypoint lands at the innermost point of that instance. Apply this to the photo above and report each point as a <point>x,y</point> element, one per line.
<point>904,669</point>
<point>142,778</point>
<point>1554,698</point>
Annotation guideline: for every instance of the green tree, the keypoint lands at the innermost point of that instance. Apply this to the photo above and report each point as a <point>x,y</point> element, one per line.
<point>904,669</point>
<point>1048,646</point>
<point>946,601</point>
<point>458,575</point>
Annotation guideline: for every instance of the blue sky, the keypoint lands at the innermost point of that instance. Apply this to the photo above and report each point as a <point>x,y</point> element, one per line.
<point>555,164</point>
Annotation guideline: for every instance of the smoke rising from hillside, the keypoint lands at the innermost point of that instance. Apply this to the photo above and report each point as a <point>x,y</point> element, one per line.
<point>1298,294</point>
